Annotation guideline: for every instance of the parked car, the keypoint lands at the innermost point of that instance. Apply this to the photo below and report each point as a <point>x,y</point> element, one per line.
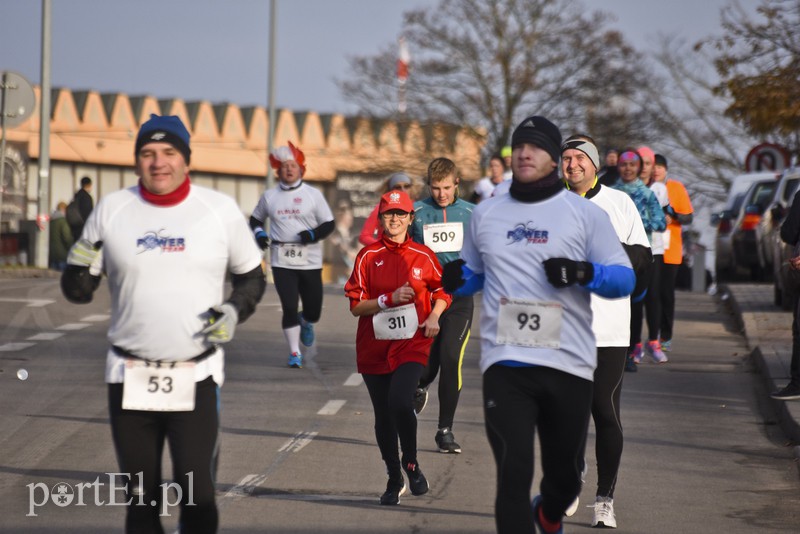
<point>746,233</point>
<point>773,216</point>
<point>785,281</point>
<point>724,263</point>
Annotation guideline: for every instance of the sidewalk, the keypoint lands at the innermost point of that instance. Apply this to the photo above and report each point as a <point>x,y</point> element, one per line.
<point>768,332</point>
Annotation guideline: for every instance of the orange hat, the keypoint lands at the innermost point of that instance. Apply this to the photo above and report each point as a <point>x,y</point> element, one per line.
<point>282,153</point>
<point>396,200</point>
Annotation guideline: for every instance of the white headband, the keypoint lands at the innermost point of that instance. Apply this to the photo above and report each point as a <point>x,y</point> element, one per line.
<point>586,147</point>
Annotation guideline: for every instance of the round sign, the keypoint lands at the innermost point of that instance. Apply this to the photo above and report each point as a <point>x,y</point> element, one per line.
<point>18,98</point>
<point>767,157</point>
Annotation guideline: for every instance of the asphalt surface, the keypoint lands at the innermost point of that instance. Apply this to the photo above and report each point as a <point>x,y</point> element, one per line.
<point>706,451</point>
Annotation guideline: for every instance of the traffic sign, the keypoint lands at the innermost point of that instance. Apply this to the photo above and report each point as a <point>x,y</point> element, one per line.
<point>767,157</point>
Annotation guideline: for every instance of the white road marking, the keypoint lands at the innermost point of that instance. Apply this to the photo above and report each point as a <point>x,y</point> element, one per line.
<point>331,407</point>
<point>96,318</point>
<point>72,326</point>
<point>300,440</point>
<point>31,303</point>
<point>11,347</point>
<point>46,336</point>
<point>354,380</point>
<point>246,486</point>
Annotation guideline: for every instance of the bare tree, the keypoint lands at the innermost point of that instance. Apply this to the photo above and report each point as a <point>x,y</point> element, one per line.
<point>490,63</point>
<point>690,121</point>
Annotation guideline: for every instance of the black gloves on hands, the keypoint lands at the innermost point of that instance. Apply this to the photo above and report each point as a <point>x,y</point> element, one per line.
<point>452,275</point>
<point>262,239</point>
<point>669,210</point>
<point>563,272</point>
<point>306,236</point>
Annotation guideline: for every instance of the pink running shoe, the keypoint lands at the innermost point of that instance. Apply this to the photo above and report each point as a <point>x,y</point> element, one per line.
<point>654,351</point>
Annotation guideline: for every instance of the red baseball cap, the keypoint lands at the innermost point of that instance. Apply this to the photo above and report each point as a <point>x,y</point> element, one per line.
<point>396,200</point>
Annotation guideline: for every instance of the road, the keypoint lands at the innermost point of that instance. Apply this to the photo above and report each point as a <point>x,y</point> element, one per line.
<point>702,453</point>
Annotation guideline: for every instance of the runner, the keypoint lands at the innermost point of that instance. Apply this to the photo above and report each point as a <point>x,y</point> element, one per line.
<point>299,219</point>
<point>371,231</point>
<point>537,253</point>
<point>439,223</point>
<point>166,247</point>
<point>610,319</point>
<point>395,291</point>
<point>630,166</point>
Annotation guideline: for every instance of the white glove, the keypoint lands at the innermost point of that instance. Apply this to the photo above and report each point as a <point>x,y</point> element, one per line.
<point>84,253</point>
<point>222,323</point>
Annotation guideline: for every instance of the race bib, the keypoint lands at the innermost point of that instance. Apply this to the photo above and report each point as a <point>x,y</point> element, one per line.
<point>396,323</point>
<point>443,237</point>
<point>292,255</point>
<point>158,386</point>
<point>528,323</point>
<point>667,235</point>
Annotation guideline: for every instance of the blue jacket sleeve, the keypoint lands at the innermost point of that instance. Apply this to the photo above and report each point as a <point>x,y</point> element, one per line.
<point>612,281</point>
<point>473,282</point>
<point>657,219</point>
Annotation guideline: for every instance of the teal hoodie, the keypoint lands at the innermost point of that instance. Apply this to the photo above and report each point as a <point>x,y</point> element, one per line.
<point>429,212</point>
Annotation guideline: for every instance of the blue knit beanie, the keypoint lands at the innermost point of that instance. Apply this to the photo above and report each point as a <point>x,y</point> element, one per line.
<point>164,129</point>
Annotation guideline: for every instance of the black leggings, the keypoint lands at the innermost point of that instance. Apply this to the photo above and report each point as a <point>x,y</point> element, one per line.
<point>392,398</point>
<point>192,436</point>
<point>447,351</point>
<point>293,283</point>
<point>518,401</point>
<point>669,273</point>
<point>651,304</point>
<point>606,415</point>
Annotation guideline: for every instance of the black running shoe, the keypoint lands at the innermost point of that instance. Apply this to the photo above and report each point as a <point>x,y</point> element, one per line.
<point>420,400</point>
<point>447,442</point>
<point>416,480</point>
<point>394,489</point>
<point>790,392</point>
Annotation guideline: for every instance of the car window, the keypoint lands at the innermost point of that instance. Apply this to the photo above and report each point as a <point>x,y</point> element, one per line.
<point>791,187</point>
<point>762,193</point>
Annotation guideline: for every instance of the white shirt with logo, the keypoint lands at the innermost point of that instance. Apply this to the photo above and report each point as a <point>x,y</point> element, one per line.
<point>166,267</point>
<point>508,240</point>
<point>291,212</point>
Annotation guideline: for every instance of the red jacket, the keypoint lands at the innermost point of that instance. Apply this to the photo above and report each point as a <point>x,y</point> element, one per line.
<point>381,268</point>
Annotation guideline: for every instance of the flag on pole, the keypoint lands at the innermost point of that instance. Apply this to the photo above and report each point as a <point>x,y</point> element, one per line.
<point>403,58</point>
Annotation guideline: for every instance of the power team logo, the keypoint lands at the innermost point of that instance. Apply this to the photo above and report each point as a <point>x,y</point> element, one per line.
<point>156,241</point>
<point>528,233</point>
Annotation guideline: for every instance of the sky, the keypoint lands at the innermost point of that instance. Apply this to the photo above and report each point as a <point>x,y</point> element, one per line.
<point>217,50</point>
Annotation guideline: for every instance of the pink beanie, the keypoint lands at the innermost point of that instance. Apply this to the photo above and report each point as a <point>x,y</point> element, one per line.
<point>647,153</point>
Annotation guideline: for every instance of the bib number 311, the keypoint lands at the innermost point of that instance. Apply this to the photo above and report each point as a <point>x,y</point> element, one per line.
<point>396,323</point>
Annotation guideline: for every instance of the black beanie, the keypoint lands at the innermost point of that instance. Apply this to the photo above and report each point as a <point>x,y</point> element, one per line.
<point>660,160</point>
<point>164,129</point>
<point>541,132</point>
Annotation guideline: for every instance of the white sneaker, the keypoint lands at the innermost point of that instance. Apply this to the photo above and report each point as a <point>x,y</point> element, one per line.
<point>604,513</point>
<point>570,511</point>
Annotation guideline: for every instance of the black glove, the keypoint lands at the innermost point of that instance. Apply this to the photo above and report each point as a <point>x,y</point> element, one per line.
<point>563,272</point>
<point>452,275</point>
<point>668,210</point>
<point>306,236</point>
<point>262,239</point>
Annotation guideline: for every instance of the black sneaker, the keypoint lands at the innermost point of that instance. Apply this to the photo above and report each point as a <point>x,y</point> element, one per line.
<point>630,365</point>
<point>420,400</point>
<point>394,489</point>
<point>416,480</point>
<point>447,442</point>
<point>790,392</point>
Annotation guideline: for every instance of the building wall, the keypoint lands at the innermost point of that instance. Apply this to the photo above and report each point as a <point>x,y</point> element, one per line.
<point>93,134</point>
